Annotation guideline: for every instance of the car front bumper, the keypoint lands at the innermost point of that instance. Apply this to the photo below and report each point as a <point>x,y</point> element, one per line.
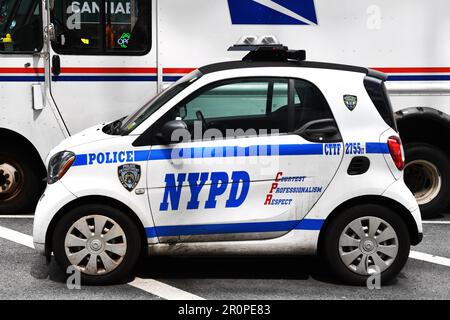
<point>55,197</point>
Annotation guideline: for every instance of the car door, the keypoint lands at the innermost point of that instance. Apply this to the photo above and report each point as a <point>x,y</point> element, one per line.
<point>244,174</point>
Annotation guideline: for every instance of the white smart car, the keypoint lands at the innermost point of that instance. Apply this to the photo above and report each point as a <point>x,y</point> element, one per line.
<point>269,155</point>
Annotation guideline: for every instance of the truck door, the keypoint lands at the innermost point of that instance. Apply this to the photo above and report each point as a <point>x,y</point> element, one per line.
<point>102,62</point>
<point>249,185</point>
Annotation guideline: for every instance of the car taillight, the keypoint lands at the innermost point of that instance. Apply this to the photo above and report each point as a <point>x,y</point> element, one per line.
<point>396,151</point>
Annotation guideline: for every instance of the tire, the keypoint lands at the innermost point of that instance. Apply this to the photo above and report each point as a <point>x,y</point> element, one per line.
<point>125,260</point>
<point>427,174</point>
<point>20,194</point>
<point>331,252</point>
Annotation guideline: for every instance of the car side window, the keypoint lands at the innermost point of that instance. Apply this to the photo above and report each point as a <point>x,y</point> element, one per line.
<point>310,104</point>
<point>239,104</point>
<point>279,96</point>
<point>230,100</point>
<point>102,27</point>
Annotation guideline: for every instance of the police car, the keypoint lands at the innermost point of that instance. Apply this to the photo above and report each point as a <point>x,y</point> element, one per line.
<point>269,155</point>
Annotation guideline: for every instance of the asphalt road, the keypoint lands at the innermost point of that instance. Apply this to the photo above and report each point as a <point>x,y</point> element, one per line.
<point>24,275</point>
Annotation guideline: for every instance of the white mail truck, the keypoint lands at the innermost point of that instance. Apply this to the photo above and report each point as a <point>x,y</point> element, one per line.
<point>66,65</point>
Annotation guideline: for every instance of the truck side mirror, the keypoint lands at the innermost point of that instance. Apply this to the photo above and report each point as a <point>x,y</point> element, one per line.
<point>165,136</point>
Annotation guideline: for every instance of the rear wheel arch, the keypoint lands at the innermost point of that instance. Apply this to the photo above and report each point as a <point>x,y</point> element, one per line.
<point>93,200</point>
<point>404,213</point>
<point>22,174</point>
<point>426,125</point>
<point>13,139</point>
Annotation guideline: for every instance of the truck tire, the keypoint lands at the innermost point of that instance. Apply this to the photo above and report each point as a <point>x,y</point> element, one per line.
<point>353,247</point>
<point>20,182</point>
<point>101,242</point>
<point>427,174</point>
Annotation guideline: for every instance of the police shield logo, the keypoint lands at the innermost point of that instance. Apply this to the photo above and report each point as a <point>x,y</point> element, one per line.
<point>129,175</point>
<point>350,101</point>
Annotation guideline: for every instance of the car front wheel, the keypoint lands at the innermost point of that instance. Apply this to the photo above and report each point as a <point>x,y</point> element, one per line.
<point>101,242</point>
<point>364,241</point>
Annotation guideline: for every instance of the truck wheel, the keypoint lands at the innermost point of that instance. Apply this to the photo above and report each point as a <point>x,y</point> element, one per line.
<point>101,242</point>
<point>20,182</point>
<point>427,174</point>
<point>364,240</point>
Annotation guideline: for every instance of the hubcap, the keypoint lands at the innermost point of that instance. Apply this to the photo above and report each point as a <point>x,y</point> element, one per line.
<point>9,181</point>
<point>368,242</point>
<point>424,180</point>
<point>95,245</point>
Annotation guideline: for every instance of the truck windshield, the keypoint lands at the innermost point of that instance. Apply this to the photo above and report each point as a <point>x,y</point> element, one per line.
<point>20,26</point>
<point>133,121</point>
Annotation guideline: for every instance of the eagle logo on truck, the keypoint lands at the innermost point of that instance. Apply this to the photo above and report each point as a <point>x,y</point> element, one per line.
<point>350,101</point>
<point>129,175</point>
<point>276,12</point>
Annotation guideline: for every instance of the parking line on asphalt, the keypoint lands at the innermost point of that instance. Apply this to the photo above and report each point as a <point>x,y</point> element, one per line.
<point>430,258</point>
<point>16,237</point>
<point>163,290</point>
<point>435,222</point>
<point>17,216</point>
<point>148,285</point>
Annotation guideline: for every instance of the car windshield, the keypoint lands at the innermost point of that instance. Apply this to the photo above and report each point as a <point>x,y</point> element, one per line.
<point>131,122</point>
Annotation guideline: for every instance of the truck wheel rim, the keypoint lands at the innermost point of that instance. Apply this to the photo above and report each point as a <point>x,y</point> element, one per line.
<point>424,180</point>
<point>368,245</point>
<point>95,245</point>
<point>11,180</point>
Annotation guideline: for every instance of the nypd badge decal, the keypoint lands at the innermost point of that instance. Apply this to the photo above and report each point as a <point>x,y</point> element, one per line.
<point>350,101</point>
<point>129,175</point>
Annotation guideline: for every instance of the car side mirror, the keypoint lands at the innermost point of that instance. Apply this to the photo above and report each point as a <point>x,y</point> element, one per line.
<point>165,136</point>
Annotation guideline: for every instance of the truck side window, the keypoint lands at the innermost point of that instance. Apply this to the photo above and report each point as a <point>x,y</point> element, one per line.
<point>121,27</point>
<point>20,26</point>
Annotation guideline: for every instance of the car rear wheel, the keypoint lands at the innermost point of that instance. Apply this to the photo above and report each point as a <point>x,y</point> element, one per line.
<point>427,174</point>
<point>101,242</point>
<point>364,241</point>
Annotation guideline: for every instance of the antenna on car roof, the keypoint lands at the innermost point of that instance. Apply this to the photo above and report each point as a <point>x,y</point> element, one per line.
<point>266,48</point>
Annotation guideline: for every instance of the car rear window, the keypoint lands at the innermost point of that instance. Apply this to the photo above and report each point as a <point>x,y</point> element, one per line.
<point>377,92</point>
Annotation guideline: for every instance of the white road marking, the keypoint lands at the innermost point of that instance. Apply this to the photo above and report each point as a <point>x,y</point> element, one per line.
<point>16,237</point>
<point>430,258</point>
<point>435,222</point>
<point>151,286</point>
<point>163,290</point>
<point>17,217</point>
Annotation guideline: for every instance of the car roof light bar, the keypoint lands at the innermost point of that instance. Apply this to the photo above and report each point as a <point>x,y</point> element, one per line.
<point>266,48</point>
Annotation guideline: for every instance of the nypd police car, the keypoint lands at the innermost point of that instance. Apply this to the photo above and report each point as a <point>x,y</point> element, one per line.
<point>269,155</point>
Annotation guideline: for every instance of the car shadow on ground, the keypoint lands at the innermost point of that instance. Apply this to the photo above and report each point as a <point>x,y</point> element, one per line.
<point>300,268</point>
<point>265,268</point>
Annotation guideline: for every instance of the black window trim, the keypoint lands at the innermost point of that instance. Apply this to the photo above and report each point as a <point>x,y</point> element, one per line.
<point>41,28</point>
<point>81,52</point>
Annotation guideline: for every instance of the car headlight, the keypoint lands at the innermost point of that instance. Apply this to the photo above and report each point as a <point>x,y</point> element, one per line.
<point>58,165</point>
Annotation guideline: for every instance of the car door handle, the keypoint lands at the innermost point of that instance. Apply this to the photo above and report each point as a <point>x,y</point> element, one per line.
<point>326,131</point>
<point>323,130</point>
